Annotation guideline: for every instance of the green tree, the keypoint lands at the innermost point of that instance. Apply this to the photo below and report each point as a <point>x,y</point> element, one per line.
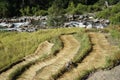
<point>25,11</point>
<point>71,8</point>
<point>88,2</point>
<point>56,14</point>
<point>41,12</point>
<point>3,9</point>
<point>111,2</point>
<point>81,8</point>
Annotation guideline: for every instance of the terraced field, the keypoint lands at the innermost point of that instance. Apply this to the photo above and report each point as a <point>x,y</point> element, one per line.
<point>43,48</point>
<point>62,66</point>
<point>93,61</point>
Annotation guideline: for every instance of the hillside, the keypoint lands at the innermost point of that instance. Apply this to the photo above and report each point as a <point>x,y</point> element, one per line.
<point>40,7</point>
<point>58,54</point>
<point>59,39</point>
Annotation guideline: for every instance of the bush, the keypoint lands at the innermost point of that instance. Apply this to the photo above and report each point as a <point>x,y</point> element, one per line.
<point>112,13</point>
<point>32,11</point>
<point>115,19</point>
<point>104,14</point>
<point>96,7</point>
<point>25,11</point>
<point>55,16</point>
<point>3,8</point>
<point>81,9</point>
<point>71,8</point>
<point>111,2</point>
<point>55,21</point>
<point>41,12</point>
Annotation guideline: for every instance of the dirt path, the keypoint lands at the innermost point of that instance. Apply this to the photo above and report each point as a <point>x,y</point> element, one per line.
<point>95,59</point>
<point>43,48</point>
<point>71,46</point>
<point>113,74</point>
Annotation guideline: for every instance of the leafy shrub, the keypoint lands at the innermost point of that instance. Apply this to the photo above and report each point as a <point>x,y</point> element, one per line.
<point>115,19</point>
<point>96,7</point>
<point>111,2</point>
<point>41,12</point>
<point>80,9</point>
<point>32,11</point>
<point>71,8</point>
<point>3,8</point>
<point>25,11</point>
<point>55,16</point>
<point>104,14</point>
<point>112,13</point>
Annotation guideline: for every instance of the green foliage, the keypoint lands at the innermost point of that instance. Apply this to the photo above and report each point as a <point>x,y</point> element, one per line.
<point>55,21</point>
<point>104,14</point>
<point>56,17</point>
<point>3,8</point>
<point>71,8</point>
<point>81,9</point>
<point>31,11</point>
<point>88,2</point>
<point>40,7</point>
<point>112,13</point>
<point>41,12</point>
<point>25,11</point>
<point>115,19</point>
<point>34,10</point>
<point>111,2</point>
<point>109,11</point>
<point>94,8</point>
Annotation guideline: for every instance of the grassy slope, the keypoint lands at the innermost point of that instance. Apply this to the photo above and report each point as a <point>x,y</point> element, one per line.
<point>14,45</point>
<point>85,48</point>
<point>97,59</point>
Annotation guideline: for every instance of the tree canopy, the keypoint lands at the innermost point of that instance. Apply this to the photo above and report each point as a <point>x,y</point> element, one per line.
<point>9,8</point>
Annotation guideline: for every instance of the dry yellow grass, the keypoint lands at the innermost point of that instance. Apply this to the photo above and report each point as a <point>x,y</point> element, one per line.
<point>71,46</point>
<point>14,45</point>
<point>43,48</point>
<point>49,69</point>
<point>95,60</point>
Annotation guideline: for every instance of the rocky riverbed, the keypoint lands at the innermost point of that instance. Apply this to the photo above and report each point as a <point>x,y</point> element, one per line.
<point>33,23</point>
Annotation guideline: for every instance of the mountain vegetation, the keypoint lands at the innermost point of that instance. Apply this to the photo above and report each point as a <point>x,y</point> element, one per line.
<point>9,8</point>
<point>59,53</point>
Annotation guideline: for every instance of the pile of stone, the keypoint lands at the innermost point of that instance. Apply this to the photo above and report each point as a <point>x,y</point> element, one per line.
<point>86,21</point>
<point>24,23</point>
<point>33,23</point>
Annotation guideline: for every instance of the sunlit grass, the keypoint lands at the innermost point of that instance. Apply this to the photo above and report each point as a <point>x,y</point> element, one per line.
<point>85,46</point>
<point>102,56</point>
<point>15,45</point>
